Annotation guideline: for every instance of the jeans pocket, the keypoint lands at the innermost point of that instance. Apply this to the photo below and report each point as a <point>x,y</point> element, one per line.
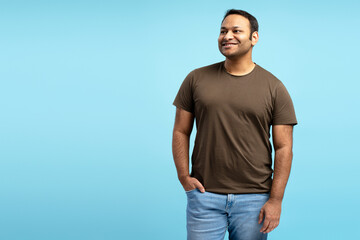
<point>191,190</point>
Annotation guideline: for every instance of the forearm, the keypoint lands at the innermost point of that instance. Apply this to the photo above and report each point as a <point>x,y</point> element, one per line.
<point>180,149</point>
<point>282,166</point>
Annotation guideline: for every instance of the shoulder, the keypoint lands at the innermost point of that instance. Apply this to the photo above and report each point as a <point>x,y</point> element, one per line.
<point>208,69</point>
<point>268,79</point>
<point>211,67</point>
<point>202,73</point>
<point>268,76</point>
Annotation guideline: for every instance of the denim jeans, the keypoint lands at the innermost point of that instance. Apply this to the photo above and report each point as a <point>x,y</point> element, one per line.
<point>209,215</point>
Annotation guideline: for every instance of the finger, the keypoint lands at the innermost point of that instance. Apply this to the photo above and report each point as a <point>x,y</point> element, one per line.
<point>200,186</point>
<point>265,228</point>
<point>261,215</point>
<point>265,225</point>
<point>270,228</point>
<point>275,225</point>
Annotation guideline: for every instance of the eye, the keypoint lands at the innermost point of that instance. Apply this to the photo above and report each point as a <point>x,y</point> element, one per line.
<point>222,31</point>
<point>237,31</point>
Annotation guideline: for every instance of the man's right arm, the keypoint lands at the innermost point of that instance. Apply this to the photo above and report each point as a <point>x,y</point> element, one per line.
<point>183,126</point>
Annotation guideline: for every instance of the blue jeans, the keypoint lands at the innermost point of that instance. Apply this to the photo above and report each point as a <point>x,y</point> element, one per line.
<point>209,215</point>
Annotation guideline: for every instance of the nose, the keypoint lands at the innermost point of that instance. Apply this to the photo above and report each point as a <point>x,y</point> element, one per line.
<point>228,35</point>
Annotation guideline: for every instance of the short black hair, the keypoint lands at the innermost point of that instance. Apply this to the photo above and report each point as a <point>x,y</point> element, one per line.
<point>254,26</point>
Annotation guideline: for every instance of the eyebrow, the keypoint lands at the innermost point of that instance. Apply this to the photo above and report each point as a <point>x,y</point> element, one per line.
<point>232,27</point>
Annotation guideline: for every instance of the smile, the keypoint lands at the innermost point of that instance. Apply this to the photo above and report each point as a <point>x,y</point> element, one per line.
<point>228,45</point>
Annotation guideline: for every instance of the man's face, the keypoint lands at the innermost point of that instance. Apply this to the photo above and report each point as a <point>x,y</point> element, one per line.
<point>235,31</point>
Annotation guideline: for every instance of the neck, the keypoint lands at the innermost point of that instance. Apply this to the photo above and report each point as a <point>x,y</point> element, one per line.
<point>239,66</point>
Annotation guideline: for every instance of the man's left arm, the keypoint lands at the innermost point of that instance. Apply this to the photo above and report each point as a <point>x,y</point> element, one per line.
<point>282,140</point>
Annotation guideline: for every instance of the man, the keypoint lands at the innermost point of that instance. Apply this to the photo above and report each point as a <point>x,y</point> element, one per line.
<point>234,103</point>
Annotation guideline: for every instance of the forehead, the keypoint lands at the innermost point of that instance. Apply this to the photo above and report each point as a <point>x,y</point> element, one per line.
<point>235,20</point>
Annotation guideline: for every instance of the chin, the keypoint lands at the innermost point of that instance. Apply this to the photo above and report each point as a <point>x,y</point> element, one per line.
<point>229,55</point>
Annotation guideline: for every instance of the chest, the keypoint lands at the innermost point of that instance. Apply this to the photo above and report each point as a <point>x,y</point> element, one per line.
<point>250,99</point>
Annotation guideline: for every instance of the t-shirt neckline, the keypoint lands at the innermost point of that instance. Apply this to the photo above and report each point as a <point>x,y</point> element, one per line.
<point>238,76</point>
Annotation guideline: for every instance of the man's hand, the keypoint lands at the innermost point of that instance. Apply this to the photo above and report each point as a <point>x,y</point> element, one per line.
<point>272,211</point>
<point>190,183</point>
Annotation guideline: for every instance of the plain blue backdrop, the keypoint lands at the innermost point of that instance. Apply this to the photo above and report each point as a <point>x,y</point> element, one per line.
<point>86,92</point>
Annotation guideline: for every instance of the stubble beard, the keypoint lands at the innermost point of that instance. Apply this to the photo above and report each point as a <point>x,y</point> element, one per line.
<point>236,54</point>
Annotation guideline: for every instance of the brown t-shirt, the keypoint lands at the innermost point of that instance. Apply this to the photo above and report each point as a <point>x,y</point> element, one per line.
<point>232,151</point>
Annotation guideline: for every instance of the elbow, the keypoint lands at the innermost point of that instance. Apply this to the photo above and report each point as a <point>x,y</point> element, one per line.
<point>284,148</point>
<point>182,132</point>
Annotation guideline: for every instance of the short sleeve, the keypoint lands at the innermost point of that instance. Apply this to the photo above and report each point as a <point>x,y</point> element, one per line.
<point>283,111</point>
<point>184,97</point>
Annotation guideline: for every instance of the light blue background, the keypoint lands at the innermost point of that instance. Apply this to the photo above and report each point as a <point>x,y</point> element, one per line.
<point>86,119</point>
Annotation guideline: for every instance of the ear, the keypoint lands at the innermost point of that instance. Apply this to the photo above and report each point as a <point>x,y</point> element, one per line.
<point>255,38</point>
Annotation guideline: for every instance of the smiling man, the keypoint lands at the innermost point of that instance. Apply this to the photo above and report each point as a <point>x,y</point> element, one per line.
<point>232,185</point>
